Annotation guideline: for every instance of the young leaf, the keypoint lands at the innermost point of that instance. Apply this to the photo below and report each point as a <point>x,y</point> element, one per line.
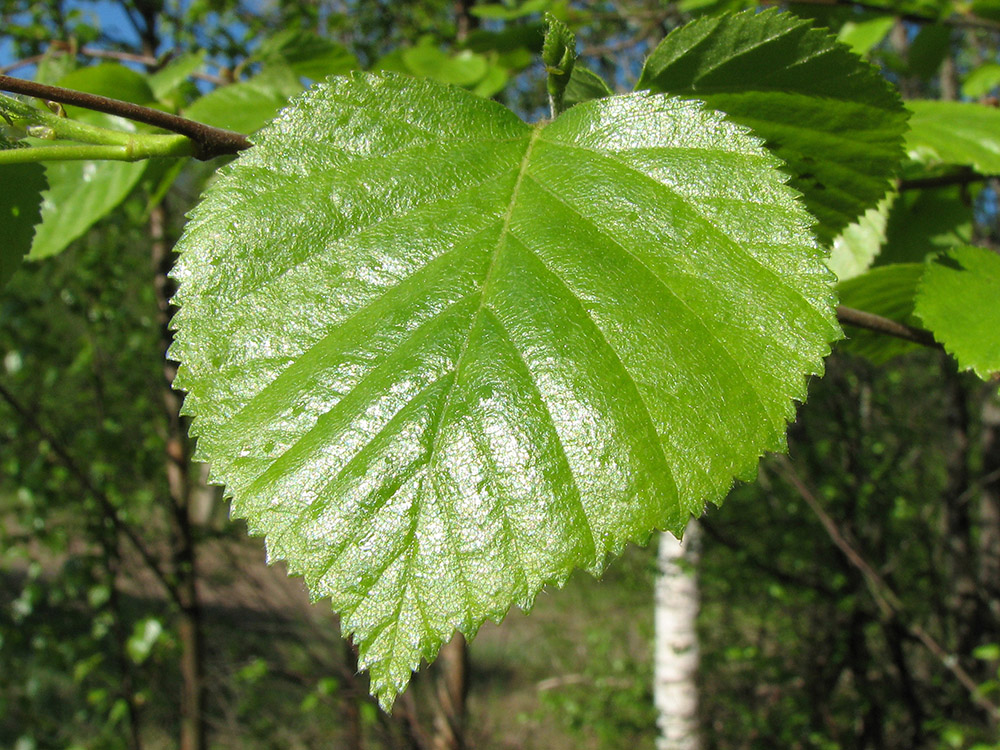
<point>828,114</point>
<point>584,85</point>
<point>958,301</point>
<point>21,187</point>
<point>441,357</point>
<point>955,133</point>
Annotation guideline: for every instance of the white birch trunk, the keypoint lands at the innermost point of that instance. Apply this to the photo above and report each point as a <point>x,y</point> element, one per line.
<point>675,693</point>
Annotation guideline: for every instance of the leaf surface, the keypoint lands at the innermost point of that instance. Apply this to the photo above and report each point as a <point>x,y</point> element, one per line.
<point>21,187</point>
<point>955,133</point>
<point>888,291</point>
<point>441,357</point>
<point>958,301</point>
<point>81,193</point>
<point>829,115</point>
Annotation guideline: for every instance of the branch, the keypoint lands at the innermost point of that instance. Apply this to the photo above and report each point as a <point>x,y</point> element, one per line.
<point>848,316</point>
<point>209,142</point>
<point>963,21</point>
<point>947,180</point>
<point>885,598</point>
<point>107,507</point>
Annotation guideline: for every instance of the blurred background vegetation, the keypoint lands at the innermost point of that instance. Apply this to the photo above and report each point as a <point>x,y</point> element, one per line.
<point>118,564</point>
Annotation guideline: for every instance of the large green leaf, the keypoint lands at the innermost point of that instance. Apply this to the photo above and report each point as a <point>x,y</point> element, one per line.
<point>21,187</point>
<point>955,133</point>
<point>958,301</point>
<point>828,114</point>
<point>441,357</point>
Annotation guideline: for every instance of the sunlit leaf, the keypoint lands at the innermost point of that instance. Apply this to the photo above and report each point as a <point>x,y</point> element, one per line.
<point>955,133</point>
<point>441,358</point>
<point>959,301</point>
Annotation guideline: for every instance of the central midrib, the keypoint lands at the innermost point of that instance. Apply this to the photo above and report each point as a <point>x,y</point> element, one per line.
<point>483,294</point>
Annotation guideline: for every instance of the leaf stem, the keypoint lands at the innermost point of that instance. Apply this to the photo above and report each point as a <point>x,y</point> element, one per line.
<point>140,147</point>
<point>209,141</point>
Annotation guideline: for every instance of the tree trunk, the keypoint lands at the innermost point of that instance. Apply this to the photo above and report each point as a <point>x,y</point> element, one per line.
<point>675,692</point>
<point>178,464</point>
<point>452,685</point>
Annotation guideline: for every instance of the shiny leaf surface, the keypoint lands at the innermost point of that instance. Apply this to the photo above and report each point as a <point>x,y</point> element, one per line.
<point>441,357</point>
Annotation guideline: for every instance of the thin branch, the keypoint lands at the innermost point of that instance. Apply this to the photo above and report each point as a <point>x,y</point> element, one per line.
<point>107,507</point>
<point>963,21</point>
<point>885,598</point>
<point>210,142</point>
<point>947,180</point>
<point>848,316</point>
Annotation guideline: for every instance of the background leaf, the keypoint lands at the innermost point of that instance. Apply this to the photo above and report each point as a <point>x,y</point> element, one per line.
<point>442,358</point>
<point>856,248</point>
<point>21,187</point>
<point>887,291</point>
<point>246,106</point>
<point>955,133</point>
<point>958,301</point>
<point>828,114</point>
<point>584,85</point>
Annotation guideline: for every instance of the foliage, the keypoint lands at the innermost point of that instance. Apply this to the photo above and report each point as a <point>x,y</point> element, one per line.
<point>442,357</point>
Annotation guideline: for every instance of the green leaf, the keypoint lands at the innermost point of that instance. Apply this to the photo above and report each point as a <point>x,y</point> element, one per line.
<point>856,248</point>
<point>441,357</point>
<point>109,79</point>
<point>166,81</point>
<point>426,60</point>
<point>887,291</point>
<point>955,133</point>
<point>862,36</point>
<point>927,221</point>
<point>306,54</point>
<point>81,193</point>
<point>21,187</point>
<point>584,85</point>
<point>828,114</point>
<point>958,301</point>
<point>981,81</point>
<point>928,50</point>
<point>246,106</point>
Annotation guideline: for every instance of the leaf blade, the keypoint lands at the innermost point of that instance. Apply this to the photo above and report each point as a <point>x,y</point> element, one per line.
<point>441,362</point>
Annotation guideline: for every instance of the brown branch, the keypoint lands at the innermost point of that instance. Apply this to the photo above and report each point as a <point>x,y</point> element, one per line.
<point>947,180</point>
<point>885,598</point>
<point>107,507</point>
<point>848,316</point>
<point>210,142</point>
<point>963,21</point>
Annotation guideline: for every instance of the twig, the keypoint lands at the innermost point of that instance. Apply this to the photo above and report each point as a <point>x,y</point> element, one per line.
<point>963,21</point>
<point>947,180</point>
<point>108,508</point>
<point>848,316</point>
<point>210,142</point>
<point>885,598</point>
